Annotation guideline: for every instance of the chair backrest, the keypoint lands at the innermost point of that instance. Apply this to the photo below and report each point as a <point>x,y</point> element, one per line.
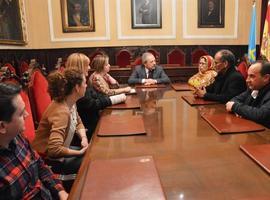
<point>39,96</point>
<point>29,131</point>
<point>23,67</point>
<point>94,54</point>
<point>10,67</point>
<point>243,69</point>
<point>176,56</point>
<point>196,54</point>
<point>123,58</point>
<point>155,53</point>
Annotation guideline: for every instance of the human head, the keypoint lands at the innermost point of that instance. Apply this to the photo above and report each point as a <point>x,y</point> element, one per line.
<point>211,5</point>
<point>77,7</point>
<point>258,75</point>
<point>224,59</point>
<point>206,63</point>
<point>61,85</point>
<point>148,60</point>
<point>12,112</point>
<point>78,61</point>
<point>101,63</point>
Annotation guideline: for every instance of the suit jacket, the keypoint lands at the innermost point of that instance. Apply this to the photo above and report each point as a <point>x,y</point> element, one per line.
<point>258,109</point>
<point>226,86</point>
<point>139,73</point>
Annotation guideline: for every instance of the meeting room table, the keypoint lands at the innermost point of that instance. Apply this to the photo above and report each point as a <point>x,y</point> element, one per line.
<point>193,160</point>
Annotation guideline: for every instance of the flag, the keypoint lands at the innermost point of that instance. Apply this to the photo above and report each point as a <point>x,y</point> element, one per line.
<point>252,36</point>
<point>265,46</point>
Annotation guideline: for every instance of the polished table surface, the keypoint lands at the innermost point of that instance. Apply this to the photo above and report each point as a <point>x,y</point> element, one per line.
<point>192,159</point>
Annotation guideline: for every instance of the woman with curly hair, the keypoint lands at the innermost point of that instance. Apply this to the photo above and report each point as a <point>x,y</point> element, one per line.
<point>61,121</point>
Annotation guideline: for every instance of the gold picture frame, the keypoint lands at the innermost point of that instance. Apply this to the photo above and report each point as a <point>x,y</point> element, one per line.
<point>77,15</point>
<point>12,23</point>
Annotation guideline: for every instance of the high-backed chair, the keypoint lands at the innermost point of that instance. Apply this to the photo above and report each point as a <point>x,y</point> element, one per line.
<point>29,131</point>
<point>39,97</point>
<point>196,54</point>
<point>10,67</point>
<point>94,54</point>
<point>23,68</point>
<point>176,56</point>
<point>155,53</point>
<point>123,58</point>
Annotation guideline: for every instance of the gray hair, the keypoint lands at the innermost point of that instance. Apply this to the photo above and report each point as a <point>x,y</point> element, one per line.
<point>145,56</point>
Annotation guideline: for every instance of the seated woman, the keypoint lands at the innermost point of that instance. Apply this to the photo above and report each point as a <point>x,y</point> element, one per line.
<point>206,74</point>
<point>92,102</point>
<point>102,81</point>
<point>60,120</point>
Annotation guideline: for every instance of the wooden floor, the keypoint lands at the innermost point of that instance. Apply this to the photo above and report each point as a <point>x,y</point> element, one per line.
<point>192,159</point>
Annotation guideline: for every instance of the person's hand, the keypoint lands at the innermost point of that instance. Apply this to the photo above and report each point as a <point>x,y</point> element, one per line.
<point>229,106</point>
<point>150,81</point>
<point>200,92</point>
<point>127,89</point>
<point>84,141</point>
<point>63,195</point>
<point>83,150</point>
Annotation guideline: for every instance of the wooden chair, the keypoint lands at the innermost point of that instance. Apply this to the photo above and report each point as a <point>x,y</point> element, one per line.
<point>196,54</point>
<point>176,56</point>
<point>123,58</point>
<point>155,53</point>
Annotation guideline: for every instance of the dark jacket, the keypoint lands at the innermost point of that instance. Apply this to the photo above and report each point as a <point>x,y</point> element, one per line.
<point>257,110</point>
<point>139,73</point>
<point>226,86</point>
<point>89,106</point>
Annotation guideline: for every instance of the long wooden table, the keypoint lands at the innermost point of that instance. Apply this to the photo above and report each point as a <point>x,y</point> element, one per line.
<point>192,159</point>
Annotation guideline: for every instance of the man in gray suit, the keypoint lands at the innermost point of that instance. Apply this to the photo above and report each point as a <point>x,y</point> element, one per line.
<point>148,73</point>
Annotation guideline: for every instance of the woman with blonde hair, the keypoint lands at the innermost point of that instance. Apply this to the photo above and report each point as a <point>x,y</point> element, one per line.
<point>102,81</point>
<point>60,121</point>
<point>206,74</point>
<point>90,105</point>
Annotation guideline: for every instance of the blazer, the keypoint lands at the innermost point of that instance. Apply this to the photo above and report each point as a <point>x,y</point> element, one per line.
<point>258,109</point>
<point>226,86</point>
<point>53,129</point>
<point>139,73</point>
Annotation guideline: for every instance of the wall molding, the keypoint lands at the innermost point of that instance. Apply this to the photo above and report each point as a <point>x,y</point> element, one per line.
<point>75,39</point>
<point>189,36</point>
<point>120,36</point>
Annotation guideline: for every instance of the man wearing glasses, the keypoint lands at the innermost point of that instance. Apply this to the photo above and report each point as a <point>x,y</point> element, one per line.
<point>227,84</point>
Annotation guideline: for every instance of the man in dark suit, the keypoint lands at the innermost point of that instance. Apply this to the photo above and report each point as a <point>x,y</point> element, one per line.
<point>227,84</point>
<point>148,73</point>
<point>254,103</point>
<point>211,15</point>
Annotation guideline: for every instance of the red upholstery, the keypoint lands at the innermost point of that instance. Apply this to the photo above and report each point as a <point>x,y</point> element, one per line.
<point>39,97</point>
<point>196,54</point>
<point>155,53</point>
<point>243,68</point>
<point>29,132</point>
<point>24,67</point>
<point>10,67</point>
<point>176,56</point>
<point>138,61</point>
<point>123,58</point>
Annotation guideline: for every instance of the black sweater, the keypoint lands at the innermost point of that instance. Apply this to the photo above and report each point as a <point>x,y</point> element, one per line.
<point>89,107</point>
<point>226,86</point>
<point>257,110</point>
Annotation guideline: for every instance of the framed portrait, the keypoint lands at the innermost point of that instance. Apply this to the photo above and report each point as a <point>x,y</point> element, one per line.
<point>211,13</point>
<point>146,14</point>
<point>12,22</point>
<point>77,15</point>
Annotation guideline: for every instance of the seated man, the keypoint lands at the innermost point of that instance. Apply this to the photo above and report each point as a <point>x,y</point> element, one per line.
<point>148,73</point>
<point>227,84</point>
<point>254,103</point>
<point>23,174</point>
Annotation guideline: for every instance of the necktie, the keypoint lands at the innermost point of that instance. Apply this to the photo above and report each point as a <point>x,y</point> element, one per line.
<point>150,73</point>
